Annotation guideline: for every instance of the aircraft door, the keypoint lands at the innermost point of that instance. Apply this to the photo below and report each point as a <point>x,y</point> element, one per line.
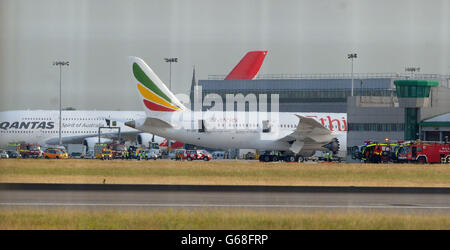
<point>266,126</point>
<point>201,126</point>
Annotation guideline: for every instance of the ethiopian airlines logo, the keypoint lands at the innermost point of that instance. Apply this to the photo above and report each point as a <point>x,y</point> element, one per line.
<point>154,98</point>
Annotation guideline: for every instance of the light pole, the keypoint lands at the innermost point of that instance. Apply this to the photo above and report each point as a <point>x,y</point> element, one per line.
<point>412,70</point>
<point>60,64</point>
<point>170,61</point>
<point>351,57</point>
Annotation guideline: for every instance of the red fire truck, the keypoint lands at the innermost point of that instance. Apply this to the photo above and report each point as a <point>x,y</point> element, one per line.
<point>424,152</point>
<point>27,150</point>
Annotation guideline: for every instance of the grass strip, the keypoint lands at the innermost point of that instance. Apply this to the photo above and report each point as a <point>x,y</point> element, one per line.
<point>222,173</point>
<point>214,219</point>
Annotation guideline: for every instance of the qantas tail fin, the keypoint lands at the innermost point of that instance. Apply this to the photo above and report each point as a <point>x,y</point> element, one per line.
<point>248,67</point>
<point>155,95</point>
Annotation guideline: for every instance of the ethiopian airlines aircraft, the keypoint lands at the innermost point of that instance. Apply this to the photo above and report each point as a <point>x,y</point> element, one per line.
<point>301,134</point>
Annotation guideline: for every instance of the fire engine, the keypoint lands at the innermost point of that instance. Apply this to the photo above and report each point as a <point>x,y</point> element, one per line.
<point>424,152</point>
<point>27,150</point>
<point>118,151</point>
<point>378,152</point>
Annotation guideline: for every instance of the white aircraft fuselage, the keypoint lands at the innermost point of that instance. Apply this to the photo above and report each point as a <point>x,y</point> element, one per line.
<point>240,132</point>
<point>42,126</point>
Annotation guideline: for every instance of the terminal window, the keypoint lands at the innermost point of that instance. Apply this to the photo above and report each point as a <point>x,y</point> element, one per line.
<point>379,127</point>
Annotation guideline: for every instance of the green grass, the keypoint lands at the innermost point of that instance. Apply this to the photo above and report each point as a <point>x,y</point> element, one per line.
<point>215,219</point>
<point>223,173</point>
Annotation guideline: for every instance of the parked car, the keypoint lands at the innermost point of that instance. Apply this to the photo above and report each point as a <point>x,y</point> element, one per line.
<point>55,153</point>
<point>172,155</point>
<point>198,155</point>
<point>218,155</point>
<point>14,154</point>
<point>4,154</point>
<point>76,155</point>
<point>250,156</point>
<point>149,154</point>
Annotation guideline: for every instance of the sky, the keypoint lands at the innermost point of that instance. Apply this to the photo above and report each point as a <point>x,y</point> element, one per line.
<point>301,36</point>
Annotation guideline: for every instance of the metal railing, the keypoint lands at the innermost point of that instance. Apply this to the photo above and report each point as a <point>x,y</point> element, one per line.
<point>341,76</point>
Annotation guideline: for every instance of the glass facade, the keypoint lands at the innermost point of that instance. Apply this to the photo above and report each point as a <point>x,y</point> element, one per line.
<point>287,96</point>
<point>378,127</point>
<point>414,88</point>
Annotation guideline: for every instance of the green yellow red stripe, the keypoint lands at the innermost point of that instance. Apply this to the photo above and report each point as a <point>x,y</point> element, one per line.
<point>147,82</point>
<point>156,107</point>
<point>154,98</point>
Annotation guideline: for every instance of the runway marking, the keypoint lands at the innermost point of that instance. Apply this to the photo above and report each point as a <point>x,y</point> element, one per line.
<point>218,205</point>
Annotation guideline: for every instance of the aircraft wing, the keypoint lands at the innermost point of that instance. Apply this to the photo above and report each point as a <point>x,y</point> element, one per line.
<point>78,139</point>
<point>307,128</point>
<point>155,122</point>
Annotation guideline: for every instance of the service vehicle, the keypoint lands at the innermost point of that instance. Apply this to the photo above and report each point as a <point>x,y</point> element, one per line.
<point>76,151</point>
<point>154,147</point>
<point>102,151</point>
<point>198,155</point>
<point>378,152</point>
<point>218,155</point>
<point>172,155</point>
<point>105,154</point>
<point>89,155</point>
<point>424,152</point>
<point>55,153</point>
<point>119,151</point>
<point>269,156</point>
<point>14,154</point>
<point>27,150</point>
<point>250,156</point>
<point>148,154</point>
<point>3,154</point>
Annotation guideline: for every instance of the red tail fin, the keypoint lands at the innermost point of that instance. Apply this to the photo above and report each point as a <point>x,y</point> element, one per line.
<point>248,67</point>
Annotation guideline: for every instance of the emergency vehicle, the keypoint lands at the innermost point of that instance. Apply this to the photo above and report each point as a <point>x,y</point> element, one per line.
<point>102,151</point>
<point>378,152</point>
<point>198,155</point>
<point>27,150</point>
<point>118,151</point>
<point>424,152</point>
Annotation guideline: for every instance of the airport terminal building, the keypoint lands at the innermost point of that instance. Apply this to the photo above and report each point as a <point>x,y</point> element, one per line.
<point>378,109</point>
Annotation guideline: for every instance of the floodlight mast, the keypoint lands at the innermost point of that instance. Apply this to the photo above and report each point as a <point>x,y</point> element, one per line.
<point>170,61</point>
<point>60,64</point>
<point>351,57</point>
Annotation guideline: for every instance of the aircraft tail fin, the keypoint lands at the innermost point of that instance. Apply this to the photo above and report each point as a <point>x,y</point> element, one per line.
<point>156,97</point>
<point>248,67</point>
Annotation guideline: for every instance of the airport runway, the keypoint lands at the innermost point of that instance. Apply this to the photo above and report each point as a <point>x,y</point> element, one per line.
<point>97,196</point>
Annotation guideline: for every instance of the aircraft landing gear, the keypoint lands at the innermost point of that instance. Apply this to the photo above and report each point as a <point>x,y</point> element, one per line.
<point>282,157</point>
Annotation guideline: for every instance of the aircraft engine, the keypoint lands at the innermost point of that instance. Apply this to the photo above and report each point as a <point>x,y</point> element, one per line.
<point>333,146</point>
<point>145,139</point>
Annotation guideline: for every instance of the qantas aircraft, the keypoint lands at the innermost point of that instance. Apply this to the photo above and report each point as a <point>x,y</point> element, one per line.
<point>42,126</point>
<point>301,134</point>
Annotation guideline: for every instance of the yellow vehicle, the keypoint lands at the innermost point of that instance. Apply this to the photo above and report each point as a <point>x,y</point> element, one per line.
<point>55,153</point>
<point>105,154</point>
